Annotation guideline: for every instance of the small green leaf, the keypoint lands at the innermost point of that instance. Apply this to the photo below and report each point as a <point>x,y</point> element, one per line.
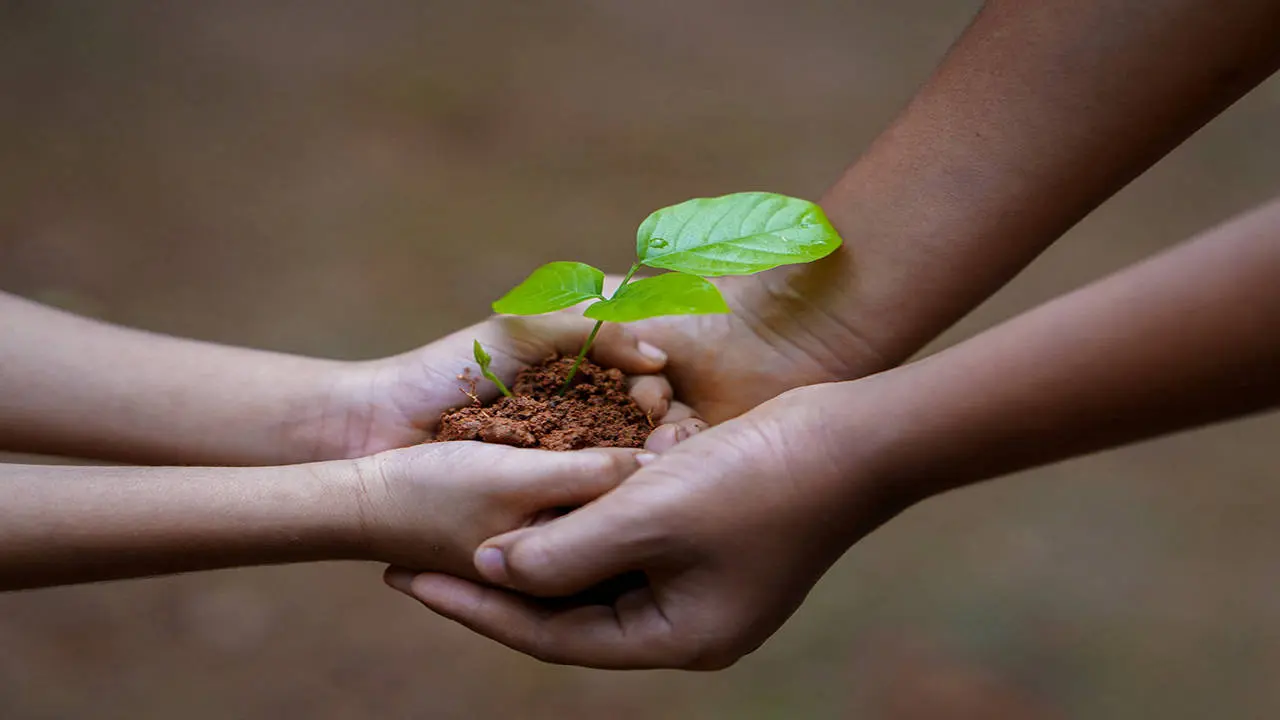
<point>666,294</point>
<point>737,234</point>
<point>483,359</point>
<point>552,287</point>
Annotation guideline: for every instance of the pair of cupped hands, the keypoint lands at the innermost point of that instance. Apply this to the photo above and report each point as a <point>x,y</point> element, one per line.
<point>737,506</point>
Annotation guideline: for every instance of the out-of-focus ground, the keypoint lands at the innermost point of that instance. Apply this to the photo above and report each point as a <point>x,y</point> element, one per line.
<point>354,179</point>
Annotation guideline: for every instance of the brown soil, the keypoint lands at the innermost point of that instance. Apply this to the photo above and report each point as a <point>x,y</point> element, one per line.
<point>595,412</point>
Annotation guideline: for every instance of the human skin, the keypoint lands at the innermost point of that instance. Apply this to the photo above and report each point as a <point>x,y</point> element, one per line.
<point>733,527</point>
<point>427,507</point>
<point>1038,113</point>
<point>78,387</point>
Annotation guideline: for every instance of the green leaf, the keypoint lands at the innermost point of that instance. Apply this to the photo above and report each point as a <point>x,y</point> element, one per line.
<point>666,294</point>
<point>552,287</point>
<point>737,234</point>
<point>483,359</point>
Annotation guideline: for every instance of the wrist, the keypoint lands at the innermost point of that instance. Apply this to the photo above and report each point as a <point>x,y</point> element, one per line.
<point>328,416</point>
<point>902,428</point>
<point>333,511</point>
<point>71,524</point>
<point>862,430</point>
<point>358,409</point>
<point>810,309</point>
<point>401,516</point>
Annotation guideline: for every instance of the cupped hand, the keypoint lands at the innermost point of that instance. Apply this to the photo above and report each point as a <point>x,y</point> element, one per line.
<point>429,507</point>
<point>396,402</point>
<point>784,332</point>
<point>731,528</point>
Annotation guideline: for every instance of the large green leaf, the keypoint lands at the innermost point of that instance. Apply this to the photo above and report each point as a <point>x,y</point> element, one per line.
<point>552,287</point>
<point>666,294</point>
<point>737,234</point>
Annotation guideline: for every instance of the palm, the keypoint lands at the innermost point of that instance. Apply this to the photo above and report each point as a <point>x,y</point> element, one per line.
<point>724,365</point>
<point>398,401</point>
<point>731,529</point>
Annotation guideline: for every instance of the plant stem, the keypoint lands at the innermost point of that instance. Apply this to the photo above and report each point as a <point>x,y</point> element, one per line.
<point>625,279</point>
<point>497,381</point>
<point>582,355</point>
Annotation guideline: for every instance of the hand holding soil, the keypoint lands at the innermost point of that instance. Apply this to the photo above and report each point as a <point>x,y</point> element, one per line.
<point>430,506</point>
<point>732,528</point>
<point>398,401</point>
<point>738,234</point>
<point>595,411</point>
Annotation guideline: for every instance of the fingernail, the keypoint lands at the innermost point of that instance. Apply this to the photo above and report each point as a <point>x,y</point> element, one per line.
<point>492,564</point>
<point>644,458</point>
<point>652,352</point>
<point>401,580</point>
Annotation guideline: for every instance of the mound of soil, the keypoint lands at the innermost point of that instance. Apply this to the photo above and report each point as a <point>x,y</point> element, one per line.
<point>595,412</point>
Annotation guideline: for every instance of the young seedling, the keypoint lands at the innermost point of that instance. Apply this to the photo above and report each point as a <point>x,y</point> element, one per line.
<point>483,359</point>
<point>738,234</point>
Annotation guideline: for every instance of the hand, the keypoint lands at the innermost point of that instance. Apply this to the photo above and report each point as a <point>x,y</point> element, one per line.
<point>778,337</point>
<point>397,401</point>
<point>732,528</point>
<point>429,507</point>
<point>783,333</point>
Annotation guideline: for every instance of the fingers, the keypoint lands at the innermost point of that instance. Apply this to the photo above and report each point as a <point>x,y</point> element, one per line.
<point>673,433</point>
<point>530,340</point>
<point>570,479</point>
<point>597,636</point>
<point>618,347</point>
<point>568,555</point>
<point>679,411</point>
<point>652,393</point>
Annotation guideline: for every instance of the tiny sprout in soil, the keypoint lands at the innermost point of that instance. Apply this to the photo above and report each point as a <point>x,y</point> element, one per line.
<point>483,359</point>
<point>738,234</point>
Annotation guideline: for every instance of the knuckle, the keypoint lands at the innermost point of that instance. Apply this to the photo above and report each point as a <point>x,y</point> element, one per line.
<point>528,560</point>
<point>622,464</point>
<point>615,465</point>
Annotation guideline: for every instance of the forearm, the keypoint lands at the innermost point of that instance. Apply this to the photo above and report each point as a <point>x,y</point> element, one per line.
<point>1039,112</point>
<point>77,387</point>
<point>1185,339</point>
<point>61,524</point>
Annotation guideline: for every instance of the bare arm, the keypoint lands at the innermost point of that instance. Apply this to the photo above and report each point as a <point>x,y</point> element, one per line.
<point>1187,338</point>
<point>1038,113</point>
<point>81,524</point>
<point>426,507</point>
<point>78,387</point>
<point>733,527</point>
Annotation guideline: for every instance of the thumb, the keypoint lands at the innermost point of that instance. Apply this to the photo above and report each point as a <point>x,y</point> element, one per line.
<point>568,479</point>
<point>566,556</point>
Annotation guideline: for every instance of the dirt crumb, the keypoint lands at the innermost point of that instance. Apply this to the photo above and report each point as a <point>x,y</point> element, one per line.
<point>595,412</point>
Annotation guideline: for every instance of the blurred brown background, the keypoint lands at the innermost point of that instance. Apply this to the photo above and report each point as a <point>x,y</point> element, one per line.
<point>351,179</point>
